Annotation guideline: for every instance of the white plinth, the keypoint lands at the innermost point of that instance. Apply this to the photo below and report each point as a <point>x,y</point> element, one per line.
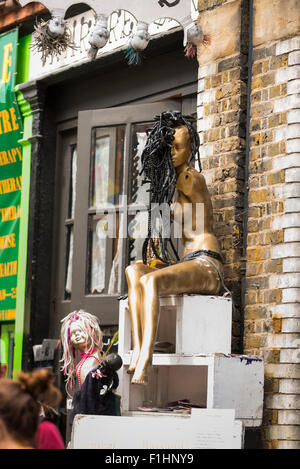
<point>202,368</point>
<point>204,429</point>
<point>193,323</point>
<point>203,324</point>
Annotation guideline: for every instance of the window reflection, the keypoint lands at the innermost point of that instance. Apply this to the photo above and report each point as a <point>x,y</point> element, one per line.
<point>137,232</point>
<point>139,192</point>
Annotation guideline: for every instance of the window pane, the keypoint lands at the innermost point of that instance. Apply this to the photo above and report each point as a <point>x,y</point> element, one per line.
<point>117,269</point>
<point>102,183</point>
<point>69,262</point>
<point>105,255</point>
<point>138,191</point>
<point>72,182</point>
<point>69,222</point>
<point>139,195</point>
<point>99,255</point>
<point>107,165</point>
<point>137,232</point>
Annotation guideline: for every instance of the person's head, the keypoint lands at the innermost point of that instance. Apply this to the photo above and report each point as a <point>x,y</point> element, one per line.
<point>81,331</point>
<point>20,405</point>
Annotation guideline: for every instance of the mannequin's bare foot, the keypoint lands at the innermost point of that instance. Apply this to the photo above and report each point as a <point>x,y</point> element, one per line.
<point>133,361</point>
<point>140,379</point>
<point>140,375</point>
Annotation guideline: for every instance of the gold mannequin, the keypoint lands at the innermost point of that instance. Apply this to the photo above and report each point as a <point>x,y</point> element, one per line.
<point>146,284</point>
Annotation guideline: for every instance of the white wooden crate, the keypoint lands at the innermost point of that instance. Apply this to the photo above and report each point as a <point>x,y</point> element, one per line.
<point>194,323</point>
<point>207,429</point>
<point>213,380</point>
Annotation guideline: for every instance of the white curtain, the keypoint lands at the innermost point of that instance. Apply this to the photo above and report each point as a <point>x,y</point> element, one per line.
<point>101,176</point>
<point>98,260</point>
<point>116,272</point>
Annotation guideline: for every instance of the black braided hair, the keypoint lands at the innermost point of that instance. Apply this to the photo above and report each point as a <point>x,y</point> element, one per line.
<point>159,171</point>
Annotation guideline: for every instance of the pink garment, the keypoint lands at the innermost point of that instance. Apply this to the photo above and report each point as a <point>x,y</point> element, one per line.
<point>49,437</point>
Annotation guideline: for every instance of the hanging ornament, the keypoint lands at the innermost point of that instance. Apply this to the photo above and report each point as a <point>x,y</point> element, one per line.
<point>150,11</point>
<point>98,37</point>
<point>195,37</point>
<point>52,37</point>
<point>56,26</point>
<point>138,42</point>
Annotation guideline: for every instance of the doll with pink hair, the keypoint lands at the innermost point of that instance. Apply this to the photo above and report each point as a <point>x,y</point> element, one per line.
<point>81,339</point>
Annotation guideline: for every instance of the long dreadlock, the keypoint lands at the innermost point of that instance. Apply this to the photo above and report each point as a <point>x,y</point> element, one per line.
<point>159,171</point>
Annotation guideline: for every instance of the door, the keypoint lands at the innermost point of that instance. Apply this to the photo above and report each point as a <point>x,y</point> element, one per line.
<point>101,205</point>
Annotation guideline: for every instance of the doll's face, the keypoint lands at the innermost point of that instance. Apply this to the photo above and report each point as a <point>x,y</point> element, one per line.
<point>78,334</point>
<point>56,26</point>
<point>181,147</point>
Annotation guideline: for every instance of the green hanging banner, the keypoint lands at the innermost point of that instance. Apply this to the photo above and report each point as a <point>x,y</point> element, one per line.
<point>10,176</point>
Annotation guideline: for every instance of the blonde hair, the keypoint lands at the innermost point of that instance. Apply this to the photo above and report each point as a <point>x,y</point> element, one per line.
<point>92,327</point>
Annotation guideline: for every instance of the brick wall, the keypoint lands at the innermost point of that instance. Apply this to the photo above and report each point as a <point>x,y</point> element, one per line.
<point>221,124</point>
<point>221,105</point>
<point>269,323</point>
<point>272,314</point>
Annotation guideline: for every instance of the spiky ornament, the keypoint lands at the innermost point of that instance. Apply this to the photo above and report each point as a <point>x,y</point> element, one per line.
<point>51,38</point>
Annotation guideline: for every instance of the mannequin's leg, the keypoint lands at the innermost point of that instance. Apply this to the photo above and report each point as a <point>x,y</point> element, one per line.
<point>196,276</point>
<point>135,301</point>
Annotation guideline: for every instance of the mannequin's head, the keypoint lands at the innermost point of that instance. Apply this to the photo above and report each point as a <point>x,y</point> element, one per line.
<point>172,144</point>
<point>181,147</point>
<point>170,131</point>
